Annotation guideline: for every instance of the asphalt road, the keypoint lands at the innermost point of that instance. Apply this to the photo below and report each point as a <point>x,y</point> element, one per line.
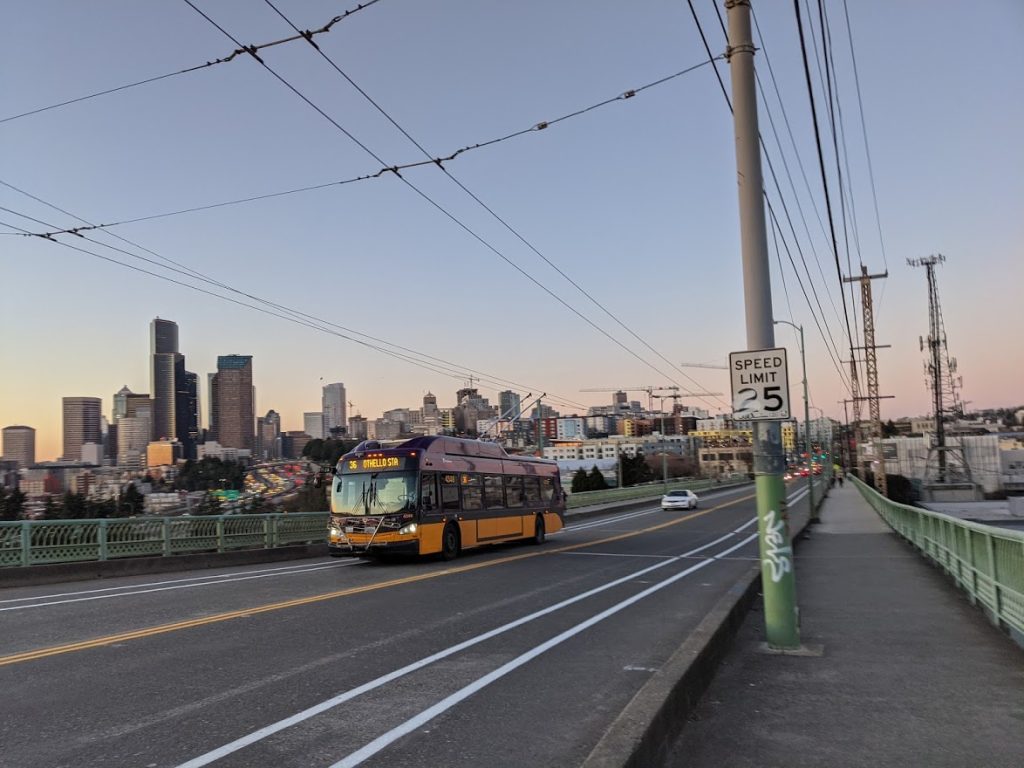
<point>510,656</point>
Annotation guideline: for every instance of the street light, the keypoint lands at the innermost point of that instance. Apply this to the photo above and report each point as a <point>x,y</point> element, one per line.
<point>807,417</point>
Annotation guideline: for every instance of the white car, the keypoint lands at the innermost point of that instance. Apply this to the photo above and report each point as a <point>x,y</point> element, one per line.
<point>679,500</point>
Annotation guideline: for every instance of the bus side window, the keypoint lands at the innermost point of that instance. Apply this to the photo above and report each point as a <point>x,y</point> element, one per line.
<point>428,491</point>
<point>531,491</point>
<point>514,491</point>
<point>547,488</point>
<point>472,492</point>
<point>450,493</point>
<point>494,494</point>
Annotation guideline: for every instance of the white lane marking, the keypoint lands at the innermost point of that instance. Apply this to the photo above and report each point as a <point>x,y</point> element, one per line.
<point>341,698</point>
<point>211,576</point>
<point>424,717</point>
<point>616,554</point>
<point>177,586</point>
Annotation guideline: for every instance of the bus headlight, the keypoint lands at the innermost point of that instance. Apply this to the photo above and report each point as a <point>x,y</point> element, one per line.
<point>410,528</point>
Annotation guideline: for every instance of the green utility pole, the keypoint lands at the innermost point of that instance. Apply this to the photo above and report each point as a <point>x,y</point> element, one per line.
<point>807,421</point>
<point>778,584</point>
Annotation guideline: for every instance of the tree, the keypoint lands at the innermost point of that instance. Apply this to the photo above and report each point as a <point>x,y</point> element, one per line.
<point>132,503</point>
<point>889,429</point>
<point>74,506</point>
<point>635,470</point>
<point>580,481</point>
<point>12,504</point>
<point>314,449</point>
<point>596,480</point>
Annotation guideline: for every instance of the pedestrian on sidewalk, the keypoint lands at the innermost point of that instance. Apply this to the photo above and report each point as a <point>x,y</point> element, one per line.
<point>840,481</point>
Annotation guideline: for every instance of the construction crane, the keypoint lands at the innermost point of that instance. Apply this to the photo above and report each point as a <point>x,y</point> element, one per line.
<point>650,390</point>
<point>716,366</point>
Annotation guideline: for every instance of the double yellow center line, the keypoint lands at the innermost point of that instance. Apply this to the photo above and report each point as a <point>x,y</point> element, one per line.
<point>160,629</point>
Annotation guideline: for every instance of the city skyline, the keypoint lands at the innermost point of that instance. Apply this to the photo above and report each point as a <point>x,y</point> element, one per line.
<point>636,201</point>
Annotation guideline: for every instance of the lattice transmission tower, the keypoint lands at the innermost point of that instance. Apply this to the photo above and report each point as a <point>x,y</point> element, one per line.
<point>946,465</point>
<point>871,374</point>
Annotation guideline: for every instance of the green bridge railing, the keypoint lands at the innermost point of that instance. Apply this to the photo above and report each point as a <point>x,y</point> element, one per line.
<point>647,490</point>
<point>36,542</point>
<point>33,542</point>
<point>986,562</point>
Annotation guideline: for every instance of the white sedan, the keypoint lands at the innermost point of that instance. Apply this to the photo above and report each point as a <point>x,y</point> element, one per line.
<point>679,500</point>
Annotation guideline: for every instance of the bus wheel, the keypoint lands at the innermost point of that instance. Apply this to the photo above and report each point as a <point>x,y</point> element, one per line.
<point>450,544</point>
<point>538,531</point>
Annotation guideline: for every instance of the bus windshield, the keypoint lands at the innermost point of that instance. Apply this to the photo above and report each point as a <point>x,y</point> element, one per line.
<point>374,493</point>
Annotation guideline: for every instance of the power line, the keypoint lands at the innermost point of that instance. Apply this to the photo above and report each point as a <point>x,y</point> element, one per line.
<point>867,149</point>
<point>490,210</point>
<point>836,127</point>
<point>250,49</point>
<point>435,364</point>
<point>721,83</point>
<point>393,169</point>
<point>436,205</point>
<point>824,180</point>
<point>785,164</point>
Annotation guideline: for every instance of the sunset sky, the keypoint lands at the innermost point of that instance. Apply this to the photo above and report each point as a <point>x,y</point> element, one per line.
<point>635,201</point>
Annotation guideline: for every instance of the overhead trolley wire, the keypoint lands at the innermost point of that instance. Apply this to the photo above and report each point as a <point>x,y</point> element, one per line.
<point>242,49</point>
<point>824,182</point>
<point>867,149</point>
<point>436,205</point>
<point>429,362</point>
<point>836,123</point>
<point>393,169</point>
<point>490,210</point>
<point>785,164</point>
<point>826,337</point>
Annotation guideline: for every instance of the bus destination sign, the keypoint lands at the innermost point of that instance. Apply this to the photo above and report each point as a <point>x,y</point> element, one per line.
<point>375,463</point>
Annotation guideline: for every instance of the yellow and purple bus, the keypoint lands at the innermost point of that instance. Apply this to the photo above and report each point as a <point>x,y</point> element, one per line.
<point>440,495</point>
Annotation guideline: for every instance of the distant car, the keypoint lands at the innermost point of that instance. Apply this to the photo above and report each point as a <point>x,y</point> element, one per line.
<point>679,500</point>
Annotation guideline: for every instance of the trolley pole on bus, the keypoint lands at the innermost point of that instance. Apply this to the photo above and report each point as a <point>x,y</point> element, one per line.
<point>778,584</point>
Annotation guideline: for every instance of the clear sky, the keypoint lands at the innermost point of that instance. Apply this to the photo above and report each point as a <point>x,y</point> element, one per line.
<point>635,201</point>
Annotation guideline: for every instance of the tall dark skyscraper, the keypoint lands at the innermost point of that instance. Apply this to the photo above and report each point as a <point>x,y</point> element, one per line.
<point>186,407</point>
<point>163,347</point>
<point>231,402</point>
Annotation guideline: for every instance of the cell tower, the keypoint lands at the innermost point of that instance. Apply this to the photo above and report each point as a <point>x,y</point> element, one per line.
<point>946,467</point>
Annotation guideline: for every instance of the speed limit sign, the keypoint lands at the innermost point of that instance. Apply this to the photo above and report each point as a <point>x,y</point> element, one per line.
<point>760,384</point>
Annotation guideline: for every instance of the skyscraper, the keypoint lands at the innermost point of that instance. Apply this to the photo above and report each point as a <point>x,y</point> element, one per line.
<point>334,408</point>
<point>186,407</point>
<point>232,402</point>
<point>509,404</point>
<point>163,347</point>
<point>268,434</point>
<point>81,417</point>
<point>19,444</point>
<point>313,422</point>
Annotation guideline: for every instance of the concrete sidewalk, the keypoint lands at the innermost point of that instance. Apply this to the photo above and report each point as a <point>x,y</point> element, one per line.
<point>907,672</point>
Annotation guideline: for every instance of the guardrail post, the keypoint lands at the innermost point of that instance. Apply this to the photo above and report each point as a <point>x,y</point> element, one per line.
<point>973,566</point>
<point>166,530</point>
<point>220,534</point>
<point>26,542</point>
<point>997,593</point>
<point>101,536</point>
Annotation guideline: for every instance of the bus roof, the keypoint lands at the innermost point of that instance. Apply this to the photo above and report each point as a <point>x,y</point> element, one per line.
<point>443,444</point>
